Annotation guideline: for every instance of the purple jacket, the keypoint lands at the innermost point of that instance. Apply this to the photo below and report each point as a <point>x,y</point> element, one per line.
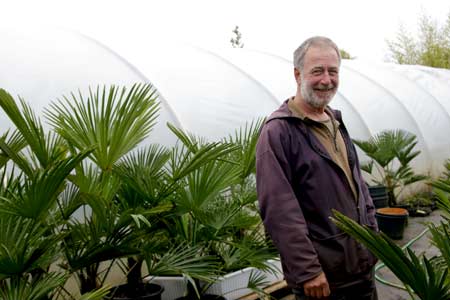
<point>298,185</point>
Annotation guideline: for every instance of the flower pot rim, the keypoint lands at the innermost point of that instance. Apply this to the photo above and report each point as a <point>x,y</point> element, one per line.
<point>396,211</point>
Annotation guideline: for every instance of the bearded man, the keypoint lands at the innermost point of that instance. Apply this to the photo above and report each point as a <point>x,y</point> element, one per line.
<point>307,166</point>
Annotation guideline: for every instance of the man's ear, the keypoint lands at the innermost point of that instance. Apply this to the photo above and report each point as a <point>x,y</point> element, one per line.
<point>297,75</point>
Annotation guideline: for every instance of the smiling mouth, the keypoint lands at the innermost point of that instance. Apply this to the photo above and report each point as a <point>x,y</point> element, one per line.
<point>324,90</point>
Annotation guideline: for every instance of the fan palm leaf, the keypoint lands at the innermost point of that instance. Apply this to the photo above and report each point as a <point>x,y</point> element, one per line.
<point>37,195</point>
<point>25,246</point>
<point>387,145</point>
<point>206,183</point>
<point>194,153</point>
<point>98,294</point>
<point>15,143</point>
<point>24,288</point>
<point>46,148</point>
<point>184,260</point>
<point>246,139</point>
<point>144,177</point>
<point>113,120</point>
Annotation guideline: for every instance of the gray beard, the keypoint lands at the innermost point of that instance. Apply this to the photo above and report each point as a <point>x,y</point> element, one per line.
<point>311,98</point>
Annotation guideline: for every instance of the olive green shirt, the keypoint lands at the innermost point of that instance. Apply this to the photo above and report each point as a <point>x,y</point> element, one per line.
<point>327,132</point>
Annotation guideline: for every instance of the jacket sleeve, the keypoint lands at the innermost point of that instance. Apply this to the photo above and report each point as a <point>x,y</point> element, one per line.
<point>279,206</point>
<point>370,207</point>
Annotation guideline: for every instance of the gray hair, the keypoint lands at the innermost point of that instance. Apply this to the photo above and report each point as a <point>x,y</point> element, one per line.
<point>318,41</point>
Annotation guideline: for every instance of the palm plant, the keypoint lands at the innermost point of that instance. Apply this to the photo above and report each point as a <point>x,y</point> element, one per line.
<point>216,207</point>
<point>426,278</point>
<point>123,197</point>
<point>391,152</point>
<point>113,121</point>
<point>34,167</point>
<point>150,178</point>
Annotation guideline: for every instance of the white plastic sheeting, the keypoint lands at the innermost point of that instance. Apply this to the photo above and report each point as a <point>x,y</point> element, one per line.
<point>213,92</point>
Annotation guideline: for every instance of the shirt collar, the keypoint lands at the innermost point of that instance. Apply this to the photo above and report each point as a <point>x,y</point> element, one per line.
<point>297,112</point>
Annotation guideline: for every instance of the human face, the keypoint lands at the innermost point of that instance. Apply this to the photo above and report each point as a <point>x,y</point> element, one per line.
<point>319,78</point>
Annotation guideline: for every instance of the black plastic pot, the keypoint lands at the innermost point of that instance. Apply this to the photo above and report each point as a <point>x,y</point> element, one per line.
<point>146,291</point>
<point>379,196</point>
<point>204,297</point>
<point>392,221</point>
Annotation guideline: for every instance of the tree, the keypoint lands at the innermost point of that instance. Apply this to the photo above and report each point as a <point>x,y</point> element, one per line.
<point>236,41</point>
<point>431,47</point>
<point>345,54</point>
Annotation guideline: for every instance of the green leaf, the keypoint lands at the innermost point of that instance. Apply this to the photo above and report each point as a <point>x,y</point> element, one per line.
<point>98,294</point>
<point>24,288</point>
<point>113,120</point>
<point>426,281</point>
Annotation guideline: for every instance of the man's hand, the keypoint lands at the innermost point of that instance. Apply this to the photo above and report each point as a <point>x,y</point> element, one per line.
<point>317,287</point>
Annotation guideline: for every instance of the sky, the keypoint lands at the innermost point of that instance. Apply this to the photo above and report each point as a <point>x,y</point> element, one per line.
<point>359,27</point>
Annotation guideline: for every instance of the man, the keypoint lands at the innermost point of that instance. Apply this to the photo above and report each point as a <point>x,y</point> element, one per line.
<point>306,167</point>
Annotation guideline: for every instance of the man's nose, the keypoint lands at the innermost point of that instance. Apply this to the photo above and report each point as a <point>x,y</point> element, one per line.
<point>326,79</point>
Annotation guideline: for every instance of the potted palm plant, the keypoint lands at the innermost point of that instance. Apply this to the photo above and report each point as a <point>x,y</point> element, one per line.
<point>128,193</point>
<point>150,178</point>
<point>112,122</point>
<point>216,210</point>
<point>34,168</point>
<point>391,152</point>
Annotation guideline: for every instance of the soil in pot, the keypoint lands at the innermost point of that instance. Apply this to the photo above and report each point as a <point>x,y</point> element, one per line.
<point>146,291</point>
<point>392,221</point>
<point>204,297</point>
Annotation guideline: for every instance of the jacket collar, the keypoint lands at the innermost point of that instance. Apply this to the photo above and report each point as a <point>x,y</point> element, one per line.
<point>283,112</point>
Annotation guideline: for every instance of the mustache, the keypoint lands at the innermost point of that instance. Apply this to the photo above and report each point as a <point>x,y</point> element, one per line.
<point>322,87</point>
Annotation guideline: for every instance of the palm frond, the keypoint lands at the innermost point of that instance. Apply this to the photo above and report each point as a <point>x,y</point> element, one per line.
<point>44,148</point>
<point>39,194</point>
<point>441,238</point>
<point>206,183</point>
<point>113,120</point>
<point>25,246</point>
<point>144,177</point>
<point>15,143</point>
<point>427,282</point>
<point>25,288</point>
<point>190,141</point>
<point>183,161</point>
<point>246,139</point>
<point>98,294</point>
<point>256,281</point>
<point>16,157</point>
<point>184,260</point>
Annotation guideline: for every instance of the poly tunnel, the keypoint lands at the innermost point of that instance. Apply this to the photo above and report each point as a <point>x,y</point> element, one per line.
<point>213,92</point>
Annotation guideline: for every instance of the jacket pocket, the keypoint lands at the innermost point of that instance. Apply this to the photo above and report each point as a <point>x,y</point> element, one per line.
<point>342,257</point>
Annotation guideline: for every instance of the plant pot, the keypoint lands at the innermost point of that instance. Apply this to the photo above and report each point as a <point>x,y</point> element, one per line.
<point>377,190</point>
<point>419,211</point>
<point>277,274</point>
<point>146,291</point>
<point>234,285</point>
<point>392,221</point>
<point>204,297</point>
<point>380,202</point>
<point>174,286</point>
<point>379,196</point>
